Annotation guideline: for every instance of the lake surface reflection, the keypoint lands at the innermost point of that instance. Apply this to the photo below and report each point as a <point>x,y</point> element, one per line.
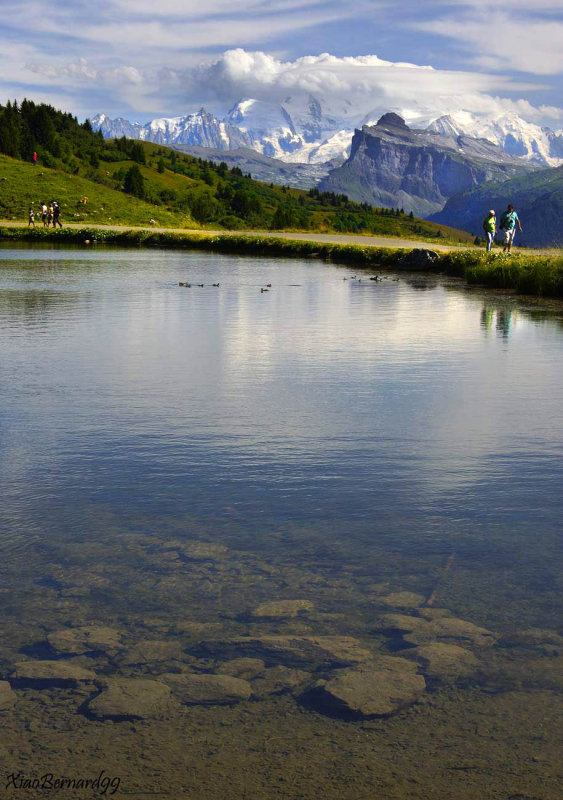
<point>178,461</point>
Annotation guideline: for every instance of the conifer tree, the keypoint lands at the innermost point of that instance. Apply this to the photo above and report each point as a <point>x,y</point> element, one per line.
<point>134,182</point>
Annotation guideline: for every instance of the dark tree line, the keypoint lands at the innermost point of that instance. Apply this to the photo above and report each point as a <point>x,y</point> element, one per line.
<point>54,135</point>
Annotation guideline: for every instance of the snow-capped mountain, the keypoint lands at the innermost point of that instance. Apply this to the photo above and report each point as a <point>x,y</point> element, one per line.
<point>116,128</point>
<point>314,130</point>
<point>301,129</point>
<point>510,132</point>
<point>268,125</point>
<point>201,128</point>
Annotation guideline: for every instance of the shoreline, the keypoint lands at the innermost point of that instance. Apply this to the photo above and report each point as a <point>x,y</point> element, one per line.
<point>535,274</point>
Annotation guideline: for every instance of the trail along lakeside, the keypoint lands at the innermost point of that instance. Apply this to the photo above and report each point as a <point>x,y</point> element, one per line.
<point>537,273</point>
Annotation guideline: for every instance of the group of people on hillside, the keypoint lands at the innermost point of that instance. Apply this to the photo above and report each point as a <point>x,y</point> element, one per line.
<point>50,215</point>
<point>508,223</point>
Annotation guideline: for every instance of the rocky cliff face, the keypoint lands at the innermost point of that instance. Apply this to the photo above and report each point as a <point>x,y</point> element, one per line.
<point>392,165</point>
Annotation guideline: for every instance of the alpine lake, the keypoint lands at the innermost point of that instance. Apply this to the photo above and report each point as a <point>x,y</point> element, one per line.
<point>290,544</point>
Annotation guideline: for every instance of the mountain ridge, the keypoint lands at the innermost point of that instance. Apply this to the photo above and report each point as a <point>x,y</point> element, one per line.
<point>310,130</point>
<point>392,164</point>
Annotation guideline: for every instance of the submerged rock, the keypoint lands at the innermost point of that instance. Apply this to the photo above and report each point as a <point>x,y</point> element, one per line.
<point>434,613</point>
<point>43,674</point>
<point>417,631</point>
<point>193,689</point>
<point>151,651</point>
<point>276,680</point>
<point>546,641</point>
<point>283,608</point>
<point>85,639</point>
<point>450,628</point>
<point>400,623</point>
<point>374,689</point>
<point>291,651</point>
<point>404,600</point>
<point>198,551</point>
<point>245,668</point>
<point>444,662</point>
<point>7,696</point>
<point>131,698</point>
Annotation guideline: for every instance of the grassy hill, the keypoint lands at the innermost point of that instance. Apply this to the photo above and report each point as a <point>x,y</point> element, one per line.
<point>538,199</point>
<point>187,194</point>
<point>131,183</point>
<point>23,185</point>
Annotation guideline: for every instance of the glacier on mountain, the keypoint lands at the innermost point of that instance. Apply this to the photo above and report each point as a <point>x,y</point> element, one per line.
<point>513,134</point>
<point>314,130</point>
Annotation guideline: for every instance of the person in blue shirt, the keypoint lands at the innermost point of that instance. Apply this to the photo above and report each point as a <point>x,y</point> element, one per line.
<point>508,223</point>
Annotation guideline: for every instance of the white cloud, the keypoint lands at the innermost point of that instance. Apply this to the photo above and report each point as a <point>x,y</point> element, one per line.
<point>366,83</point>
<point>505,40</point>
<point>77,70</point>
<point>365,86</point>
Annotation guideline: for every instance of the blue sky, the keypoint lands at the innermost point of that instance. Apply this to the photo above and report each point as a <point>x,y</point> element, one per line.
<point>144,58</point>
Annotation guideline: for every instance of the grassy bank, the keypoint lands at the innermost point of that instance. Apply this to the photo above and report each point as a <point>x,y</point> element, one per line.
<point>540,275</point>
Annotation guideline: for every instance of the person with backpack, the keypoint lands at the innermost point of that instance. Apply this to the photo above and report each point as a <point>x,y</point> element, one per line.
<point>44,215</point>
<point>31,218</point>
<point>508,223</point>
<point>57,215</point>
<point>490,228</point>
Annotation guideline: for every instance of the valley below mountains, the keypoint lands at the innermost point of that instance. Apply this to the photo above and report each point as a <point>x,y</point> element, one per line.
<point>372,158</point>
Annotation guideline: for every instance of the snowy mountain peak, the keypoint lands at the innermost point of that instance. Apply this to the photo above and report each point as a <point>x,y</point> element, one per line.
<point>314,129</point>
<point>509,131</point>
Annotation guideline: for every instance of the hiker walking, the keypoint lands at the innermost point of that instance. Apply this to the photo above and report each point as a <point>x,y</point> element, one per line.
<point>57,215</point>
<point>31,218</point>
<point>490,228</point>
<point>34,159</point>
<point>44,215</point>
<point>50,213</point>
<point>508,223</point>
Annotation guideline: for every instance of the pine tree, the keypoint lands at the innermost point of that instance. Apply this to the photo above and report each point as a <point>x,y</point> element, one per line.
<point>134,182</point>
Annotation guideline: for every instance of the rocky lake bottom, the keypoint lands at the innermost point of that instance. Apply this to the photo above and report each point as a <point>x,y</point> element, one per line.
<point>284,546</point>
<point>203,686</point>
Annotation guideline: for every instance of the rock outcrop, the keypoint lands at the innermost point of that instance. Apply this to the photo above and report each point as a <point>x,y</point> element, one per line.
<point>393,166</point>
<point>375,689</point>
<point>43,674</point>
<point>130,698</point>
<point>7,696</point>
<point>85,639</point>
<point>282,608</point>
<point>299,652</point>
<point>196,689</point>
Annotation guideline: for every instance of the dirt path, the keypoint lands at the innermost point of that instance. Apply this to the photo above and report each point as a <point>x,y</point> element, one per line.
<point>322,238</point>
